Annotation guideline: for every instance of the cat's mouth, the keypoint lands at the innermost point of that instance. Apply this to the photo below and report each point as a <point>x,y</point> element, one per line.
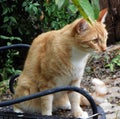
<point>103,49</point>
<point>100,50</point>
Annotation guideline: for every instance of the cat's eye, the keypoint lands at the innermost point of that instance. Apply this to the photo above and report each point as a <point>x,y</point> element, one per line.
<point>95,41</point>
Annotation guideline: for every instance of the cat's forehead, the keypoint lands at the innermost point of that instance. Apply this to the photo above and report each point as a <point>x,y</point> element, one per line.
<point>99,29</point>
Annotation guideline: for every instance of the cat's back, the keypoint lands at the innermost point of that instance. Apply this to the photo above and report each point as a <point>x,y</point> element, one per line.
<point>43,38</point>
<point>42,49</point>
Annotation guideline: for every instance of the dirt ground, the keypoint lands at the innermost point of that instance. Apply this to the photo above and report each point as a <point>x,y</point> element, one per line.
<point>111,105</point>
<point>96,68</point>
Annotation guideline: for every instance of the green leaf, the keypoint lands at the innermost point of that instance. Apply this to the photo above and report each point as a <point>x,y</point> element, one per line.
<point>112,67</point>
<point>59,3</point>
<point>13,19</point>
<point>35,9</point>
<point>30,7</point>
<point>5,11</point>
<point>10,38</point>
<point>36,4</point>
<point>3,37</point>
<point>18,38</point>
<point>24,4</point>
<point>72,8</point>
<point>6,19</point>
<point>9,29</point>
<point>85,9</point>
<point>96,7</point>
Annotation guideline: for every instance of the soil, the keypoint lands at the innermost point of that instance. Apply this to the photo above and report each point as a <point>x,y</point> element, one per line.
<point>98,67</point>
<point>111,105</point>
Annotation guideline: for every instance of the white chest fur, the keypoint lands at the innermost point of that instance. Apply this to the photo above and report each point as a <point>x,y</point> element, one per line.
<point>78,60</point>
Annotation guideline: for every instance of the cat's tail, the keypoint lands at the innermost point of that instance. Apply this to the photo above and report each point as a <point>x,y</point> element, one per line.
<point>99,95</point>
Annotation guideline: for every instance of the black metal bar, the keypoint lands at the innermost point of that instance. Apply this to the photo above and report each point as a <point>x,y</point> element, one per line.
<point>11,82</point>
<point>54,90</point>
<point>14,46</point>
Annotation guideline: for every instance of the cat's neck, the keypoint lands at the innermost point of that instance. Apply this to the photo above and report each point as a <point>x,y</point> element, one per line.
<point>78,54</point>
<point>78,60</point>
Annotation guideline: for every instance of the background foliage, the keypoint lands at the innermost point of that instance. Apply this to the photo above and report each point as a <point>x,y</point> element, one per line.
<point>26,19</point>
<point>23,20</point>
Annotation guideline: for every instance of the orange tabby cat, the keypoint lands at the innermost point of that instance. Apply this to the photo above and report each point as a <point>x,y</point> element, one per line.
<point>58,58</point>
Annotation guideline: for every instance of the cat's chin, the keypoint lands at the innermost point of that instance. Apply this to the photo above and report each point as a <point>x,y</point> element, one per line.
<point>98,52</point>
<point>87,50</point>
<point>90,50</point>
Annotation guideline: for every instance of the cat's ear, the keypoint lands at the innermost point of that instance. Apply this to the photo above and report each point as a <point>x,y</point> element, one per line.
<point>102,15</point>
<point>81,26</point>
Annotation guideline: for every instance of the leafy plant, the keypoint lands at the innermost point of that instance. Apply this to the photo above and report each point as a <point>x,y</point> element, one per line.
<point>114,62</point>
<point>19,18</point>
<point>3,86</point>
<point>26,19</point>
<point>7,68</point>
<point>10,39</point>
<point>31,7</point>
<point>88,11</point>
<point>57,17</point>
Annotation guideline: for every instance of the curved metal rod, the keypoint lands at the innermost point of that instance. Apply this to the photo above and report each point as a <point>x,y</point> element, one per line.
<point>11,82</point>
<point>14,46</point>
<point>51,91</point>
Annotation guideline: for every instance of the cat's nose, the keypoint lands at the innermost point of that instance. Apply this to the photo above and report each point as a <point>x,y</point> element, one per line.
<point>103,49</point>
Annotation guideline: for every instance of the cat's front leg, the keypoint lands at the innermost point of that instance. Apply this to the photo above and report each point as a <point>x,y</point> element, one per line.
<point>46,105</point>
<point>61,101</point>
<point>74,98</point>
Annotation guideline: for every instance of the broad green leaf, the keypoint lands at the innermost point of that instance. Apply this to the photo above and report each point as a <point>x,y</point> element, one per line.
<point>85,9</point>
<point>96,7</point>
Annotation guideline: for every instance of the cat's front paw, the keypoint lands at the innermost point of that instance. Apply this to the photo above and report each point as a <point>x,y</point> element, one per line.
<point>48,113</point>
<point>66,106</point>
<point>17,110</point>
<point>84,115</point>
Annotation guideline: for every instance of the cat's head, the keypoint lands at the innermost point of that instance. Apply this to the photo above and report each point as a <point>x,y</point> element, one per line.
<point>92,37</point>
